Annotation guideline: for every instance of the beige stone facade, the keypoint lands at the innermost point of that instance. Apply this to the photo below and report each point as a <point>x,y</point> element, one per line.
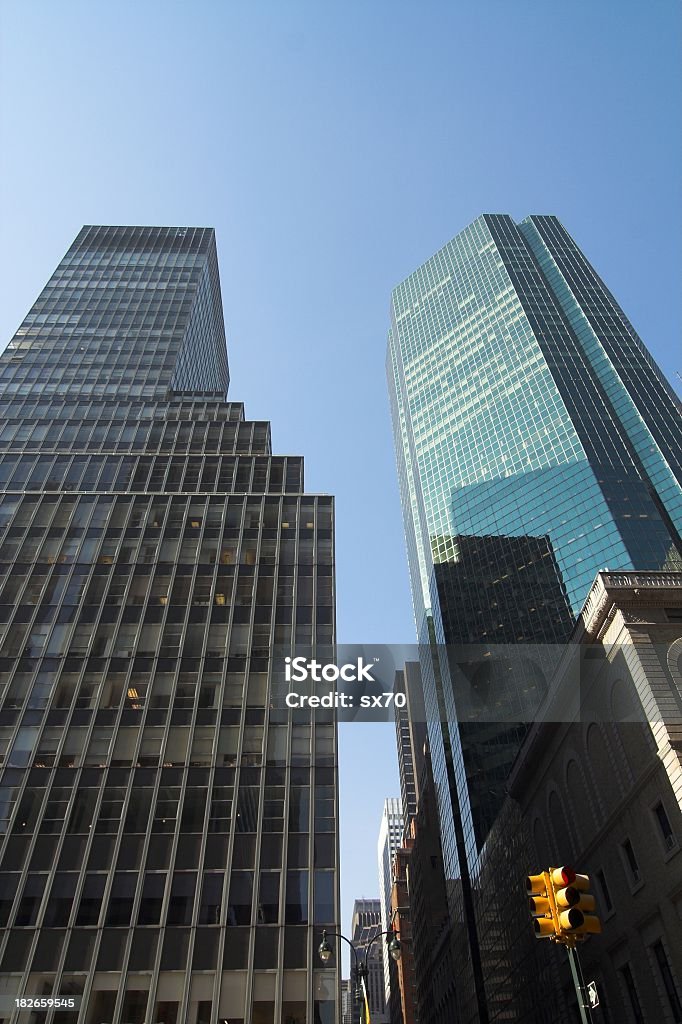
<point>599,784</point>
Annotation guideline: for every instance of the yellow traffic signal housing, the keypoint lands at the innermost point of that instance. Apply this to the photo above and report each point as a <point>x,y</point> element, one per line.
<point>537,883</point>
<point>575,922</point>
<point>567,876</point>
<point>562,906</point>
<point>572,897</point>
<point>541,905</point>
<point>544,928</point>
<point>574,904</point>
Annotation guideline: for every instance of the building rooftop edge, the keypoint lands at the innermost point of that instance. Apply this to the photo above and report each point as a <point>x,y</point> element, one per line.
<point>150,227</point>
<point>606,584</point>
<point>481,216</point>
<point>597,611</point>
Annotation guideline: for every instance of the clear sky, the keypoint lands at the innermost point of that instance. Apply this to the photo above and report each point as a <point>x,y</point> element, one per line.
<point>334,147</point>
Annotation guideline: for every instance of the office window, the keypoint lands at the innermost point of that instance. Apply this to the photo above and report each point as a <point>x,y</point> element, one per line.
<point>240,898</point>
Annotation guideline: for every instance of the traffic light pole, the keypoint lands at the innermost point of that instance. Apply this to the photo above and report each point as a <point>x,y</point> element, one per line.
<point>579,982</point>
<point>359,970</point>
<point>359,991</point>
<point>562,908</point>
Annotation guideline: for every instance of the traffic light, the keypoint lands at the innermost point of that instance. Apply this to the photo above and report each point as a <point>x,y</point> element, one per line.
<point>562,906</point>
<point>575,904</point>
<point>540,904</point>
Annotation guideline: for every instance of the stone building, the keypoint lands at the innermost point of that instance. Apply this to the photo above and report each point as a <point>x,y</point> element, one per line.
<point>599,785</point>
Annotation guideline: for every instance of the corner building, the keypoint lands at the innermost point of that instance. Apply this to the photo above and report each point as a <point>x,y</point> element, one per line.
<point>606,794</point>
<point>168,843</point>
<point>537,443</point>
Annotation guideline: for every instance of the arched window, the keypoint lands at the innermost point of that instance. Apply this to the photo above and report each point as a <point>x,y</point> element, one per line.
<point>600,768</point>
<point>563,851</point>
<point>541,846</point>
<point>630,725</point>
<point>579,802</point>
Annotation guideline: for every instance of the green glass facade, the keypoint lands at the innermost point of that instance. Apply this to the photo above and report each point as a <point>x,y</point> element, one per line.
<point>536,440</point>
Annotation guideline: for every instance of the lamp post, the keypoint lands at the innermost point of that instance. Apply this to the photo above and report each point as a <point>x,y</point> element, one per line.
<point>359,969</point>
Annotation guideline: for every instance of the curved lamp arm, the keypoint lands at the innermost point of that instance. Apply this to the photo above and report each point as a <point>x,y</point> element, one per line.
<point>390,931</point>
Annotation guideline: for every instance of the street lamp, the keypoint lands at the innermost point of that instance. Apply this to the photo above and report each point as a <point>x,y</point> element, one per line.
<point>360,970</point>
<point>324,949</point>
<point>394,947</point>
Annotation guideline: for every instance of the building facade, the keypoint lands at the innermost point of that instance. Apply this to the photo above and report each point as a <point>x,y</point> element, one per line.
<point>410,728</point>
<point>347,1001</point>
<point>168,843</point>
<point>536,442</point>
<point>420,904</point>
<point>390,839</point>
<point>403,1008</point>
<point>427,895</point>
<point>602,788</point>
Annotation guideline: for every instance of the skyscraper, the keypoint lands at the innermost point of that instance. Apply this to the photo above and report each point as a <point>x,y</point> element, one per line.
<point>167,839</point>
<point>347,1001</point>
<point>390,838</point>
<point>365,924</point>
<point>419,886</point>
<point>410,728</point>
<point>537,442</point>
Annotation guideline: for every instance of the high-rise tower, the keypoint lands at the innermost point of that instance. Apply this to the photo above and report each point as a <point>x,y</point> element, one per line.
<point>390,837</point>
<point>168,840</point>
<point>537,442</point>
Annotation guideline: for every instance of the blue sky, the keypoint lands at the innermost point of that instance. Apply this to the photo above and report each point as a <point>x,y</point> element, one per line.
<point>334,147</point>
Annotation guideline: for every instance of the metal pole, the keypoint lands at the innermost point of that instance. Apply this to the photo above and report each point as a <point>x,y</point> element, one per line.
<point>355,972</point>
<point>362,990</point>
<point>356,992</point>
<point>361,986</point>
<point>585,1015</point>
<point>358,987</point>
<point>583,984</point>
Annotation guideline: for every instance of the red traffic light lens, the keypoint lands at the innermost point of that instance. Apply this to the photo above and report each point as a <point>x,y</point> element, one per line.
<point>568,875</point>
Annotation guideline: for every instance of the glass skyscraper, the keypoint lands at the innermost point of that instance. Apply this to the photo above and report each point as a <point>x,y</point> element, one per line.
<point>537,442</point>
<point>168,843</point>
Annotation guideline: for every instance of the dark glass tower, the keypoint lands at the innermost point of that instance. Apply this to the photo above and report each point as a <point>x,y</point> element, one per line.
<point>167,839</point>
<point>537,442</point>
